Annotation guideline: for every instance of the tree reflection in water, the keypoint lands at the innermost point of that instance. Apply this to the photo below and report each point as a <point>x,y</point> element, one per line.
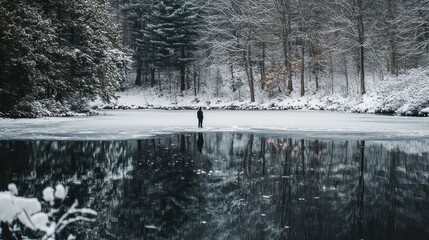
<point>233,186</point>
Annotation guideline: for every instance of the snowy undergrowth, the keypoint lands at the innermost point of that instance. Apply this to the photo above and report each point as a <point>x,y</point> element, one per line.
<point>47,108</point>
<point>406,95</point>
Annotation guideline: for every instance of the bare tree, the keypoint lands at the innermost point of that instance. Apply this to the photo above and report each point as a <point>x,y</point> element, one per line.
<point>348,24</point>
<point>284,17</point>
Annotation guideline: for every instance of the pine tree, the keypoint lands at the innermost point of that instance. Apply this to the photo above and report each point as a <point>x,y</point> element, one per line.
<point>172,34</point>
<point>137,14</point>
<point>25,41</point>
<point>63,49</point>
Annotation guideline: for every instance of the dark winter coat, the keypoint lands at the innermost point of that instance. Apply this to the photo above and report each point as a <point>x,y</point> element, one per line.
<point>200,114</point>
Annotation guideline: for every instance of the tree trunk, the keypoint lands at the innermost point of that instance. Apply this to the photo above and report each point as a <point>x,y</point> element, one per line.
<point>392,44</point>
<point>284,17</point>
<point>199,80</point>
<point>263,66</point>
<point>182,73</point>
<point>315,66</point>
<point>302,69</point>
<point>152,77</point>
<point>159,82</point>
<point>362,71</point>
<point>346,75</point>
<point>188,78</point>
<point>361,36</point>
<point>182,79</point>
<point>331,72</point>
<point>138,81</point>
<point>232,71</point>
<point>251,79</point>
<point>195,81</point>
<point>289,67</point>
<point>247,53</point>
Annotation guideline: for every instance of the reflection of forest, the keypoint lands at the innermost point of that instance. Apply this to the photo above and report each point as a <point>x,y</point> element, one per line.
<point>232,186</point>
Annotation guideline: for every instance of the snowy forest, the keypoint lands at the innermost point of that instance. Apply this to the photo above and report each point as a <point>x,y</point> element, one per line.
<point>58,56</point>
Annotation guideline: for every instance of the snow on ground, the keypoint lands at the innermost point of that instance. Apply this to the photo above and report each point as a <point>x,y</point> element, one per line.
<point>135,124</point>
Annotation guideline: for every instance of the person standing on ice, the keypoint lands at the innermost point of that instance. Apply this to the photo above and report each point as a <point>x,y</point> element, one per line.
<point>200,118</point>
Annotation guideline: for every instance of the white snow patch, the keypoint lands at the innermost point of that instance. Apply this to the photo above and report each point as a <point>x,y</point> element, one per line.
<point>12,206</point>
<point>48,195</point>
<point>60,191</point>
<point>12,187</point>
<point>151,226</point>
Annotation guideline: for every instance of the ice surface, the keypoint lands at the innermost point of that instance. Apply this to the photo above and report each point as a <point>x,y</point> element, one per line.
<point>135,124</point>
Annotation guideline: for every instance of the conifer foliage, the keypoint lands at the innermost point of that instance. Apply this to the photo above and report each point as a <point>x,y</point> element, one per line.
<point>57,49</point>
<point>163,35</point>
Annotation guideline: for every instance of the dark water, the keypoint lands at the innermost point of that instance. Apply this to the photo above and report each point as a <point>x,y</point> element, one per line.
<point>232,186</point>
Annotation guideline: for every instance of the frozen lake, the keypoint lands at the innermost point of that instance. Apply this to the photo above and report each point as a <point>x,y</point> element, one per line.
<point>136,124</point>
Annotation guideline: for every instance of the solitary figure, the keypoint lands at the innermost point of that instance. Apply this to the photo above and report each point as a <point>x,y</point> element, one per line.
<point>200,118</point>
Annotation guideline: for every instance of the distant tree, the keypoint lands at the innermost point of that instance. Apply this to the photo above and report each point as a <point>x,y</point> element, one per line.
<point>137,15</point>
<point>217,43</point>
<point>284,13</point>
<point>233,31</point>
<point>348,22</point>
<point>174,33</point>
<point>413,32</point>
<point>219,82</point>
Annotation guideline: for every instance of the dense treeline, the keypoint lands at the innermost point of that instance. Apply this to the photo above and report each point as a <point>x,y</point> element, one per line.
<point>68,50</point>
<point>163,38</point>
<point>276,45</point>
<point>321,40</point>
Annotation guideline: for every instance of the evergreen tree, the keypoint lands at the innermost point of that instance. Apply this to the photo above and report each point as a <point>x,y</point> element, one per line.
<point>89,49</point>
<point>17,68</point>
<point>162,36</point>
<point>62,49</point>
<point>137,14</point>
<point>171,36</point>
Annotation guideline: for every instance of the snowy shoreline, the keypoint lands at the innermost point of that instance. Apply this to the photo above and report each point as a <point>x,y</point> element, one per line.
<point>132,100</point>
<point>367,105</point>
<point>404,95</point>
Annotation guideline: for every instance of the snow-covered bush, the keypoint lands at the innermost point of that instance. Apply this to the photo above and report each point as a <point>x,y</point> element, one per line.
<point>406,94</point>
<point>17,213</point>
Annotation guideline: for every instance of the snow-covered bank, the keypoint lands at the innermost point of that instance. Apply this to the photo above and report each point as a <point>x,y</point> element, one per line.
<point>405,95</point>
<point>48,108</point>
